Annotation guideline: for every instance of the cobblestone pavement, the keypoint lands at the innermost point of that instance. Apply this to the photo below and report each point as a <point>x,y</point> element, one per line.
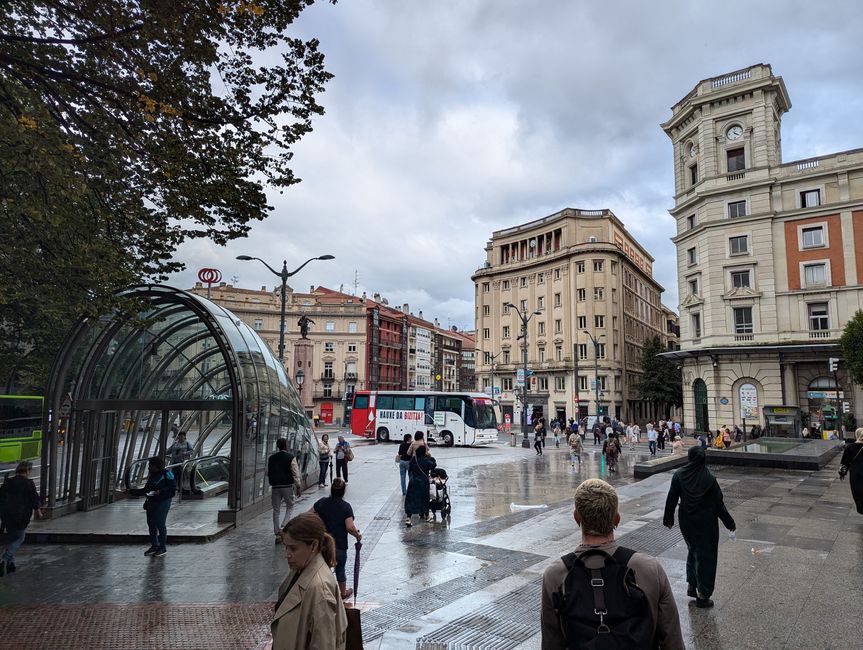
<point>472,581</point>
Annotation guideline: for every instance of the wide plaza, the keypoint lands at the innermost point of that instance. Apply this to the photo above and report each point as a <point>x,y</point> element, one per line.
<point>788,580</point>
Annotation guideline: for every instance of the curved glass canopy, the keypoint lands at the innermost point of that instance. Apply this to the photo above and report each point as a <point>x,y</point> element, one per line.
<point>123,388</point>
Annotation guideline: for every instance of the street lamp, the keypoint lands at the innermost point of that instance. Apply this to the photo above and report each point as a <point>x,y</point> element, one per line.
<point>301,377</point>
<point>525,319</point>
<point>284,275</point>
<point>595,368</point>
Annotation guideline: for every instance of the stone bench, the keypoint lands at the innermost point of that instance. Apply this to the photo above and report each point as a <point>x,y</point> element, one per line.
<point>653,466</point>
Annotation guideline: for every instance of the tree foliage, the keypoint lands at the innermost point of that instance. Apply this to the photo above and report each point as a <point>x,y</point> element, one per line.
<point>660,382</point>
<point>127,128</point>
<point>851,344</point>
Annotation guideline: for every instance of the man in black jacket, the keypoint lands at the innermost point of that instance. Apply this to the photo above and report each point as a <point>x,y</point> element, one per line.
<point>18,500</point>
<point>159,490</point>
<point>283,473</point>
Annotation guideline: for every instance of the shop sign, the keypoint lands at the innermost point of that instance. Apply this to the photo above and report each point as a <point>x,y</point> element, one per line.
<point>748,401</point>
<point>819,394</point>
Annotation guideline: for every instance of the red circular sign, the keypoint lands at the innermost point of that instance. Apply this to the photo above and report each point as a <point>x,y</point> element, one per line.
<point>209,276</point>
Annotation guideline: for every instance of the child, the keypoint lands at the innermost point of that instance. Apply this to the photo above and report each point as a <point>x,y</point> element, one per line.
<point>575,449</point>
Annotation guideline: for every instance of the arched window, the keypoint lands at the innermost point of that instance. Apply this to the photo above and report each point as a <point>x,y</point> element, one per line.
<point>820,383</point>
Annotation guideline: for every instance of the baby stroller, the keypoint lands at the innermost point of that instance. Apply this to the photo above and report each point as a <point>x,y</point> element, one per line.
<point>438,493</point>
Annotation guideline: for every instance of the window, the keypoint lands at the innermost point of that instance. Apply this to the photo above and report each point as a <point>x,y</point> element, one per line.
<point>540,328</point>
<point>739,245</point>
<point>818,316</point>
<point>582,351</point>
<point>613,294</point>
<point>541,352</point>
<point>558,326</point>
<point>737,209</point>
<point>693,174</point>
<point>328,370</point>
<point>560,383</point>
<point>329,346</point>
<point>557,274</point>
<point>598,293</point>
<point>505,285</point>
<point>736,160</point>
<point>259,324</point>
<point>597,266</point>
<point>524,306</point>
<point>352,328</point>
<point>505,356</point>
<point>693,287</point>
<point>328,389</point>
<point>692,256</point>
<point>540,278</point>
<point>507,383</point>
<point>558,353</point>
<point>740,279</point>
<point>582,322</point>
<point>330,326</point>
<point>540,302</point>
<point>543,383</point>
<point>810,198</point>
<point>486,333</point>
<point>486,310</point>
<point>523,281</point>
<point>614,268</point>
<point>582,382</point>
<point>361,402</point>
<point>600,350</point>
<point>743,320</point>
<point>815,274</point>
<point>557,300</point>
<point>486,358</point>
<point>506,331</point>
<point>601,382</point>
<point>813,237</point>
<point>486,287</point>
<point>580,295</point>
<point>506,309</point>
<point>690,222</point>
<point>579,267</point>
<point>696,326</point>
<point>599,321</point>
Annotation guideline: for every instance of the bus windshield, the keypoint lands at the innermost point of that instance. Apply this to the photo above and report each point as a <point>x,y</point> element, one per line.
<point>20,417</point>
<point>484,417</point>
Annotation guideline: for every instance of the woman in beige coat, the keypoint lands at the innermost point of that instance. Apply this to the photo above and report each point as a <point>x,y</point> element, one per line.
<point>310,614</point>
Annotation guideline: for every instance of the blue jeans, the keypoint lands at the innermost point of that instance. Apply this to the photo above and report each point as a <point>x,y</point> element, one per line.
<point>17,537</point>
<point>404,465</point>
<point>341,562</point>
<point>322,477</point>
<point>157,522</point>
<point>651,445</point>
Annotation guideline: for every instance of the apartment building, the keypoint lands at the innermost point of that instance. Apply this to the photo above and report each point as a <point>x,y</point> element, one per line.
<point>671,336</point>
<point>576,274</point>
<point>769,257</point>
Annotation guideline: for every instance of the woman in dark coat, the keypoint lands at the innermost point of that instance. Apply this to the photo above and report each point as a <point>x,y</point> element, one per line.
<point>700,498</point>
<point>417,498</point>
<point>852,461</point>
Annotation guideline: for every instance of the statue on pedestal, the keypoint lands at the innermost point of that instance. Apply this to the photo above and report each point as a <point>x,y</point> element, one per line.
<point>304,326</point>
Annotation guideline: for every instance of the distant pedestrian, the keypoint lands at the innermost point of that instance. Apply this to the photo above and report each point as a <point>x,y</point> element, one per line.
<point>159,490</point>
<point>702,440</point>
<point>310,613</point>
<point>719,440</point>
<point>651,439</point>
<point>726,437</point>
<point>575,447</point>
<point>417,498</point>
<point>18,501</point>
<point>325,459</point>
<point>403,458</point>
<point>344,455</point>
<point>852,463</point>
<point>701,503</point>
<point>556,432</point>
<point>611,450</point>
<point>543,431</point>
<point>181,450</point>
<point>597,435</point>
<point>537,438</point>
<point>283,474</point>
<point>338,516</point>
<point>677,447</point>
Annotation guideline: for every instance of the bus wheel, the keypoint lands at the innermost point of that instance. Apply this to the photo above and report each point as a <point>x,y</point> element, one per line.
<point>447,438</point>
<point>383,435</point>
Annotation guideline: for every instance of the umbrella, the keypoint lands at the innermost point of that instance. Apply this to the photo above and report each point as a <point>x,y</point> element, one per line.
<point>354,633</point>
<point>357,546</point>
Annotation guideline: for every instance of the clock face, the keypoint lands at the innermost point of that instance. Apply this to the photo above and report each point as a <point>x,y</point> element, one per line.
<point>734,132</point>
<point>693,150</point>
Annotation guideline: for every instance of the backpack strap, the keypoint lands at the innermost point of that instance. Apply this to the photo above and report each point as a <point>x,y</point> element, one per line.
<point>622,555</point>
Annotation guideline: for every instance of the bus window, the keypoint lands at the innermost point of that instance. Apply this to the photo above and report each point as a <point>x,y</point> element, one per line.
<point>404,403</point>
<point>420,404</point>
<point>468,412</point>
<point>384,402</point>
<point>450,404</point>
<point>361,401</point>
<point>484,414</point>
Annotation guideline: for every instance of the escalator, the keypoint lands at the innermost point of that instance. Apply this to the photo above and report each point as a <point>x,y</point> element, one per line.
<point>197,478</point>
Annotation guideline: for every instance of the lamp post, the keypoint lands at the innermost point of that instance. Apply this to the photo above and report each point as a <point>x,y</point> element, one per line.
<point>525,319</point>
<point>284,275</point>
<point>595,369</point>
<point>492,357</point>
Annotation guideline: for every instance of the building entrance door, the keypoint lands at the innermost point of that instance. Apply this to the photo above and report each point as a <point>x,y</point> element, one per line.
<point>699,390</point>
<point>326,413</point>
<point>100,459</point>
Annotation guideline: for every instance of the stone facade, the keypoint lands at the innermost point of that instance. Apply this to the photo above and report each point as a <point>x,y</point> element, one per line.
<point>769,259</point>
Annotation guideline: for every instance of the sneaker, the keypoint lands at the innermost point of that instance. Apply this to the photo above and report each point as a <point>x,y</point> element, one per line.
<point>160,552</point>
<point>703,603</point>
<point>151,550</point>
<point>408,522</point>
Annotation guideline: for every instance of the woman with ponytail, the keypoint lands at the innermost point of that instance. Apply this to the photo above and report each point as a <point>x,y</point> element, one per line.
<point>310,614</point>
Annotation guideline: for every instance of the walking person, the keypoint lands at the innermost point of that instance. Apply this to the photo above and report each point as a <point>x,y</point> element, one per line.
<point>338,517</point>
<point>18,501</point>
<point>852,463</point>
<point>283,474</point>
<point>325,456</point>
<point>556,431</point>
<point>159,490</point>
<point>611,450</point>
<point>651,439</point>
<point>344,455</point>
<point>575,448</point>
<point>701,504</point>
<point>181,450</point>
<point>310,613</point>
<point>537,438</point>
<point>419,441</point>
<point>404,460</point>
<point>417,498</point>
<point>597,436</point>
<point>645,613</point>
<point>660,437</point>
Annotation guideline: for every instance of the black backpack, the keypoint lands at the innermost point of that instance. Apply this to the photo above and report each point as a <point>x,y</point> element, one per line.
<point>604,608</point>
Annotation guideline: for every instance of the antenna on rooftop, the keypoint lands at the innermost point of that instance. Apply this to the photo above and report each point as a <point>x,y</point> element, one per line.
<point>235,279</point>
<point>356,281</point>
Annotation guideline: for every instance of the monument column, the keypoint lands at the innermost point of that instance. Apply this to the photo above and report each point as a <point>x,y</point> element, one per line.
<point>302,370</point>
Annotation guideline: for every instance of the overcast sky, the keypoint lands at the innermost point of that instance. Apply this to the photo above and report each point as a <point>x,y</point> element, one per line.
<point>448,120</point>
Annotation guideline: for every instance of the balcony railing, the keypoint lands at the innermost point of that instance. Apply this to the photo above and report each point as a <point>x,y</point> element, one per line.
<point>819,334</point>
<point>743,337</point>
<point>736,176</point>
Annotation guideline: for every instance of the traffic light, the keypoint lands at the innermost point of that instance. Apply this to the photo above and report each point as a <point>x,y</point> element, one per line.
<point>834,364</point>
<point>603,410</point>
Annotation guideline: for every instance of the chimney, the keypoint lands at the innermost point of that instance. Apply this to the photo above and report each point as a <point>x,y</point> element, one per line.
<point>311,288</point>
<point>421,315</point>
<point>364,296</point>
<point>376,297</point>
<point>406,308</point>
<point>264,288</point>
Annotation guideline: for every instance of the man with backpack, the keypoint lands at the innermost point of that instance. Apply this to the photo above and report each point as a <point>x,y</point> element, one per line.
<point>605,590</point>
<point>283,474</point>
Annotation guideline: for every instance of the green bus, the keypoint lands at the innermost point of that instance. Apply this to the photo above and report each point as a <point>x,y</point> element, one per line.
<point>20,427</point>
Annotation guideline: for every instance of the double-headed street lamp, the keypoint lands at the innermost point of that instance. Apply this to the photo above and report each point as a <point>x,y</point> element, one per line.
<point>284,275</point>
<point>595,368</point>
<point>525,319</point>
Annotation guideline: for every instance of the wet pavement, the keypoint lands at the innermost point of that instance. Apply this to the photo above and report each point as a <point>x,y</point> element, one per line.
<point>474,580</point>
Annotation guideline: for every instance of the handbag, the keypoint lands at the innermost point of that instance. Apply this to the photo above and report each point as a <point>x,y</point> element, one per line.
<point>354,632</point>
<point>349,454</point>
<point>843,470</point>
